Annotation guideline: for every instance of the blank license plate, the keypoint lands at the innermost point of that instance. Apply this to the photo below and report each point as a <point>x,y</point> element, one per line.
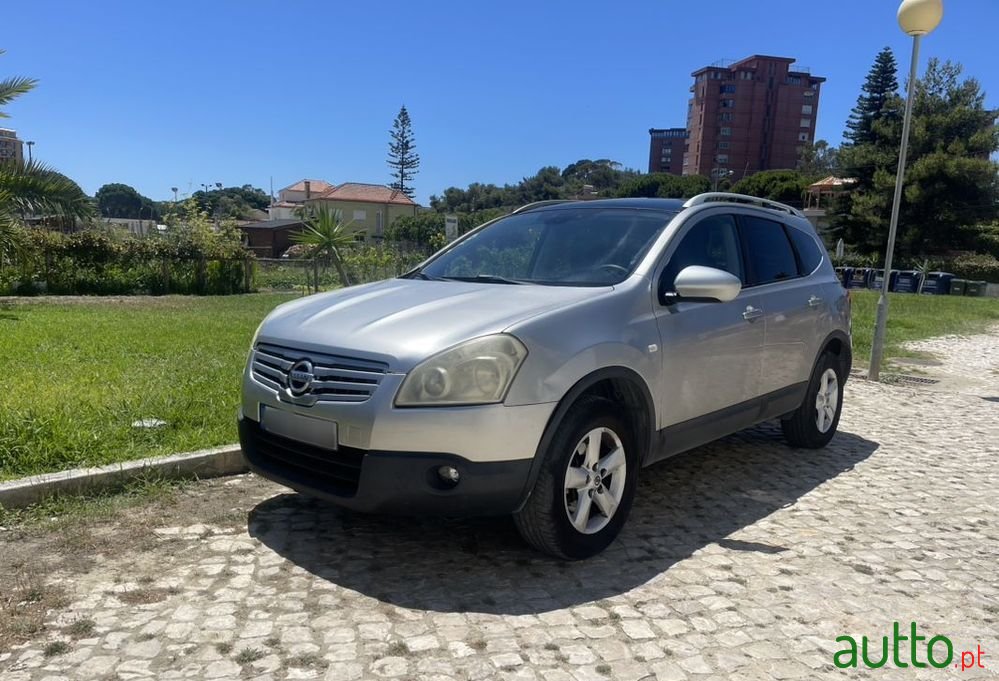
<point>297,427</point>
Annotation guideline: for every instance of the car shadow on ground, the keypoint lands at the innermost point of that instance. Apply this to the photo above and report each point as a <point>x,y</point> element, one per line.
<point>482,565</point>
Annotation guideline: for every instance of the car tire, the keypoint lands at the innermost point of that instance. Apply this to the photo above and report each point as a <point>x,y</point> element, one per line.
<point>556,519</point>
<point>814,423</point>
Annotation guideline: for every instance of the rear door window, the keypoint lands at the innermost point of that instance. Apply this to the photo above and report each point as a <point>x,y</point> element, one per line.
<point>809,252</point>
<point>768,250</point>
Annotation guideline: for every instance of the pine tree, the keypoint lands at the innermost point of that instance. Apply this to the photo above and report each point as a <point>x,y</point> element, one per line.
<point>876,100</point>
<point>403,159</point>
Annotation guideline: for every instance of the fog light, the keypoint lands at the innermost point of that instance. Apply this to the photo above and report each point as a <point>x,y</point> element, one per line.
<point>449,475</point>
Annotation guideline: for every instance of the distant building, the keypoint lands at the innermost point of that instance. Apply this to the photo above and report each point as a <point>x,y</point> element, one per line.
<point>11,148</point>
<point>756,114</point>
<point>368,208</point>
<point>294,196</point>
<point>666,147</point>
<point>270,238</point>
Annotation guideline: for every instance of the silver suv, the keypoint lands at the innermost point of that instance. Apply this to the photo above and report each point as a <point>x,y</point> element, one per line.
<point>534,366</point>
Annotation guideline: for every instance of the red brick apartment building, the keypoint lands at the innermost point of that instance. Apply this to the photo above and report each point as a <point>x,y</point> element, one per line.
<point>754,115</point>
<point>666,149</point>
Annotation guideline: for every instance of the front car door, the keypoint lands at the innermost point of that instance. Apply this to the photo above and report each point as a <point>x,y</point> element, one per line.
<point>712,351</point>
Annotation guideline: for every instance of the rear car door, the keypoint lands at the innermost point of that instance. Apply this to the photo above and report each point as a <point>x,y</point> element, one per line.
<point>712,351</point>
<point>790,301</point>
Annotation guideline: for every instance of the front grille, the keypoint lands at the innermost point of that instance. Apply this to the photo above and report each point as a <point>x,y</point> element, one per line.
<point>338,378</point>
<point>336,471</point>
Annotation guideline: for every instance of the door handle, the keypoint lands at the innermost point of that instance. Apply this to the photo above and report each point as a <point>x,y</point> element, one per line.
<point>814,301</point>
<point>752,313</point>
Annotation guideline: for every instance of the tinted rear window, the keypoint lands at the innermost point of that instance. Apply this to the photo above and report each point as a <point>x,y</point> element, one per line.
<point>770,255</point>
<point>809,252</point>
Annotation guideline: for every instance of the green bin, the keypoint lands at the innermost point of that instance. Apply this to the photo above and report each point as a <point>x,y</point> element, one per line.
<point>974,288</point>
<point>957,287</point>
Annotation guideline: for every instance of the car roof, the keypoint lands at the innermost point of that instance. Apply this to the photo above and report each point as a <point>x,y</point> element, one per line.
<point>665,205</point>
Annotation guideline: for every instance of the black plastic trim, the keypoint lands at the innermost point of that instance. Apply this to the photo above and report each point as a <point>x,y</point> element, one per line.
<point>703,429</point>
<point>393,482</point>
<point>570,398</point>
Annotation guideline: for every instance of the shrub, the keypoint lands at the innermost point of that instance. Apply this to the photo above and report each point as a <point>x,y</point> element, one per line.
<point>975,266</point>
<point>191,257</point>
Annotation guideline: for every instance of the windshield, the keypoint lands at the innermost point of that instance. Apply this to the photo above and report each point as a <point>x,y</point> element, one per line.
<point>566,247</point>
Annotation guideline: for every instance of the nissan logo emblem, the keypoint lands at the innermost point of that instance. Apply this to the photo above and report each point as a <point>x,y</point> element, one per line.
<point>300,377</point>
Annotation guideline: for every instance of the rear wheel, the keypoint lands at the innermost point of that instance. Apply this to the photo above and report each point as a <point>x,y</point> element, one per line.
<point>586,485</point>
<point>815,421</point>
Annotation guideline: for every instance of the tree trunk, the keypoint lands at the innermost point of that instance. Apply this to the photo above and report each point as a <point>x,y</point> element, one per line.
<point>340,270</point>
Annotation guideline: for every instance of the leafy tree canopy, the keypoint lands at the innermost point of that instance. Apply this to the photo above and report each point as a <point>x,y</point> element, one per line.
<point>950,182</point>
<point>786,186</point>
<point>232,202</point>
<point>117,200</point>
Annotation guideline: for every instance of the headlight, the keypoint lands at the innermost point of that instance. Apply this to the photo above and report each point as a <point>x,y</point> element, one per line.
<point>476,372</point>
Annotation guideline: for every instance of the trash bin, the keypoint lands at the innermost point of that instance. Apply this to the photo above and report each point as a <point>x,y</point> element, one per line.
<point>859,277</point>
<point>974,288</point>
<point>907,281</point>
<point>937,283</point>
<point>957,287</point>
<point>877,279</point>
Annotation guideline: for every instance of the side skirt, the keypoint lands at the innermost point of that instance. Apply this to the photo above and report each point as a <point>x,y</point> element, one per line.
<point>695,432</point>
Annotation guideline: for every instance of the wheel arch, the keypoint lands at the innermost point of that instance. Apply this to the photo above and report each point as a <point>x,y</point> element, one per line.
<point>839,344</point>
<point>618,383</point>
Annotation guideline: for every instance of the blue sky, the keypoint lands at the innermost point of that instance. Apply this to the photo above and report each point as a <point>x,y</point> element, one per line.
<point>158,94</point>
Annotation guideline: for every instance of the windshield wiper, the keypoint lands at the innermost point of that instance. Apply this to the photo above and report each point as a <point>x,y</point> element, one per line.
<point>419,274</point>
<point>487,279</point>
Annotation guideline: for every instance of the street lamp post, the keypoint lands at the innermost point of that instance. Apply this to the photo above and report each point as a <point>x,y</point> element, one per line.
<point>916,18</point>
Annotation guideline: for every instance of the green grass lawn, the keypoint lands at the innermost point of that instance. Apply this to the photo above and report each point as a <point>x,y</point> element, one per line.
<point>912,317</point>
<point>74,376</point>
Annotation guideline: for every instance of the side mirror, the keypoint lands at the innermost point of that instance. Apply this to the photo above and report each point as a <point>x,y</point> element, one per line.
<point>707,283</point>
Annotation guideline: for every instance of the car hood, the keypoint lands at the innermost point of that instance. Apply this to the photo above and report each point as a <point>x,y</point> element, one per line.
<point>404,321</point>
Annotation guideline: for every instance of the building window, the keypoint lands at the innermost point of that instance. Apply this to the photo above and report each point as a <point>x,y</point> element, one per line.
<point>728,103</point>
<point>360,215</point>
<point>725,116</point>
<point>794,80</point>
<point>726,132</point>
<point>727,89</point>
<point>378,222</point>
<point>806,109</point>
<point>806,122</point>
<point>723,145</point>
<point>721,158</point>
<point>802,136</point>
<point>809,93</point>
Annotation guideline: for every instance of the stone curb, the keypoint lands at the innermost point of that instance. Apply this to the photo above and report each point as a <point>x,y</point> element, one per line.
<point>205,463</point>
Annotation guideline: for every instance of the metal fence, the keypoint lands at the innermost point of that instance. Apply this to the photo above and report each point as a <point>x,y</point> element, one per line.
<point>362,264</point>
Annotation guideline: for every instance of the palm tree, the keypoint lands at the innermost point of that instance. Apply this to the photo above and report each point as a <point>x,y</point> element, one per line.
<point>324,235</point>
<point>32,188</point>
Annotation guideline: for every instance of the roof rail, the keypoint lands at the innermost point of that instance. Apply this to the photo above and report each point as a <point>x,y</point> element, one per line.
<point>742,198</point>
<point>539,204</point>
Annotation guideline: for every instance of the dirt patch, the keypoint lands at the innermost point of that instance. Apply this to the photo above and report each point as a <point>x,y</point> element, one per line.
<point>43,558</point>
<point>25,607</point>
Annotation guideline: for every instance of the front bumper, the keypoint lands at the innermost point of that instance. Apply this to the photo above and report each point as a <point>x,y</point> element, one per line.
<point>386,481</point>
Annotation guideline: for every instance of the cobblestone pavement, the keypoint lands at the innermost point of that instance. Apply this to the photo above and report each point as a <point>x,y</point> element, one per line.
<point>744,559</point>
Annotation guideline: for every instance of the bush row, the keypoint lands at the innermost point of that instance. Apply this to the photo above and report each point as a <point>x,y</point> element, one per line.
<point>99,261</point>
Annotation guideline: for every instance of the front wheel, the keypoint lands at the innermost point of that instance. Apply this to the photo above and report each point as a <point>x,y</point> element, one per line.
<point>586,485</point>
<point>814,423</point>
